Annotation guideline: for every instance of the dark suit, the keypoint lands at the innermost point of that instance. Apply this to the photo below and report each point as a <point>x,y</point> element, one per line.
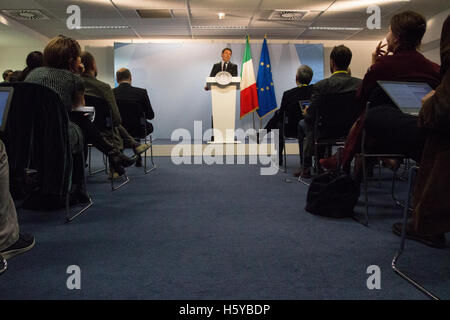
<point>126,91</point>
<point>338,83</point>
<point>231,68</point>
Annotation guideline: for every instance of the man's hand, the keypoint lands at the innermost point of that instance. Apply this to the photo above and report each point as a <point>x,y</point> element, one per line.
<point>428,96</point>
<point>379,52</point>
<point>304,111</point>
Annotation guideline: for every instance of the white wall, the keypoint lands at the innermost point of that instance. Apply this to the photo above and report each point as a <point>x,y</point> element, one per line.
<point>103,52</point>
<point>14,58</point>
<point>431,39</point>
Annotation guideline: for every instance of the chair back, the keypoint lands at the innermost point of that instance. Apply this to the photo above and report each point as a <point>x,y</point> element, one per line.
<point>133,117</point>
<point>36,137</point>
<point>337,115</point>
<point>103,115</point>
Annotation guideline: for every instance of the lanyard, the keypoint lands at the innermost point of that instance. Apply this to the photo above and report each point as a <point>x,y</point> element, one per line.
<point>340,71</point>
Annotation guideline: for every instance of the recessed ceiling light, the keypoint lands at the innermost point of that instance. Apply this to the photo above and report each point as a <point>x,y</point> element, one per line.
<point>221,15</point>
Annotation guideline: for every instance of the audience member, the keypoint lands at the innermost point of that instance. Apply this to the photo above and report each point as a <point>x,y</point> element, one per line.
<point>431,217</point>
<point>339,82</point>
<point>125,91</point>
<point>94,87</point>
<point>34,60</point>
<point>12,242</point>
<point>16,76</point>
<point>388,129</point>
<point>6,75</point>
<point>62,64</point>
<point>291,109</point>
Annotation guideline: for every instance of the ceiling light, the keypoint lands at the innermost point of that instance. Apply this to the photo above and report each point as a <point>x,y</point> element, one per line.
<point>335,28</point>
<point>219,27</point>
<point>221,15</point>
<point>103,27</point>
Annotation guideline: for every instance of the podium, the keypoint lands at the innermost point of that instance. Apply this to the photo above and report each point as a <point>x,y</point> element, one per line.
<point>223,96</point>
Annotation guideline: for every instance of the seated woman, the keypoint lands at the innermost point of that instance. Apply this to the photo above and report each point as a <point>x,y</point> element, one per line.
<point>388,129</point>
<point>431,217</point>
<point>62,63</point>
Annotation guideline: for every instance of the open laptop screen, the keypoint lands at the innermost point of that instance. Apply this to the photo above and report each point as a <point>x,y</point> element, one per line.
<point>406,95</point>
<point>5,100</point>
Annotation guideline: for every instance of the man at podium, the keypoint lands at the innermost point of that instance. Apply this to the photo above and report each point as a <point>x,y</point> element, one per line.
<point>224,65</point>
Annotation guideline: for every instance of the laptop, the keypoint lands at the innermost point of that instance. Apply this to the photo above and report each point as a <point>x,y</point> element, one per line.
<point>6,94</point>
<point>406,95</point>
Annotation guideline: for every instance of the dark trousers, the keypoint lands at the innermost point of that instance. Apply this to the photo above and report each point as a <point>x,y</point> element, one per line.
<point>91,133</point>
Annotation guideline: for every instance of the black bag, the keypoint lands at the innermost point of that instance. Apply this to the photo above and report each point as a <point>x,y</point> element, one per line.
<point>332,194</point>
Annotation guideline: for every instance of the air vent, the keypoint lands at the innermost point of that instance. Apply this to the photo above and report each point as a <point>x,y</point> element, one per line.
<point>287,15</point>
<point>155,14</point>
<point>26,14</point>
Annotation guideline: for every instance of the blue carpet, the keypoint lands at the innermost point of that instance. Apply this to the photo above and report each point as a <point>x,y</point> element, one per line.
<point>217,232</point>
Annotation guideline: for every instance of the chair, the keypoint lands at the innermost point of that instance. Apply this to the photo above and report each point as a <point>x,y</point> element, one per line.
<point>334,117</point>
<point>363,155</point>
<point>37,143</point>
<point>104,122</point>
<point>135,122</point>
<point>412,174</point>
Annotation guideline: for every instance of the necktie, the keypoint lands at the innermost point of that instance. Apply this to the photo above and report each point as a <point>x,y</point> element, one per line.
<point>225,66</point>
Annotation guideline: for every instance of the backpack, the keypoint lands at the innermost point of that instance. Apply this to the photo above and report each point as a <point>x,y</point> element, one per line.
<point>332,194</point>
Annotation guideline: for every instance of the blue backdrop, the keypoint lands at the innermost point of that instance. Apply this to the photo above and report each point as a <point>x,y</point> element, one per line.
<point>174,76</point>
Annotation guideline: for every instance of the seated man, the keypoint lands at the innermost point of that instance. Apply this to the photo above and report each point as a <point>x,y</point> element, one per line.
<point>97,88</point>
<point>291,107</point>
<point>6,74</point>
<point>12,242</point>
<point>339,82</point>
<point>125,91</point>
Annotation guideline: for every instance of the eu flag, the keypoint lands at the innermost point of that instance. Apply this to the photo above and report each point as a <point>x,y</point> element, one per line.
<point>264,84</point>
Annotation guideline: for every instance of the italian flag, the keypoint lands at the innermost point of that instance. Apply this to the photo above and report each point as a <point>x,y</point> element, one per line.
<point>249,94</point>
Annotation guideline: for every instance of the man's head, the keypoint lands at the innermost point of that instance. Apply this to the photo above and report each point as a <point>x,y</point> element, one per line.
<point>34,60</point>
<point>7,74</point>
<point>123,75</point>
<point>90,67</point>
<point>340,58</point>
<point>406,31</point>
<point>226,54</point>
<point>304,75</point>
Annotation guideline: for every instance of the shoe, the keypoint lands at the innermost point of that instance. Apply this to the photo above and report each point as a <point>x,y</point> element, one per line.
<point>118,161</point>
<point>329,163</point>
<point>436,241</point>
<point>298,172</point>
<point>114,175</point>
<point>139,162</point>
<point>141,148</point>
<point>23,244</point>
<point>305,174</point>
<point>392,164</point>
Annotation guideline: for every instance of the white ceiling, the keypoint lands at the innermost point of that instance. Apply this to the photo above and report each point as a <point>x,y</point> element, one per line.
<point>192,19</point>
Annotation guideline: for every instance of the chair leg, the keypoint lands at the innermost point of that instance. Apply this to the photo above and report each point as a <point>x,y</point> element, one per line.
<point>3,264</point>
<point>412,173</point>
<point>69,216</point>
<point>366,197</point>
<point>153,167</point>
<point>89,163</point>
